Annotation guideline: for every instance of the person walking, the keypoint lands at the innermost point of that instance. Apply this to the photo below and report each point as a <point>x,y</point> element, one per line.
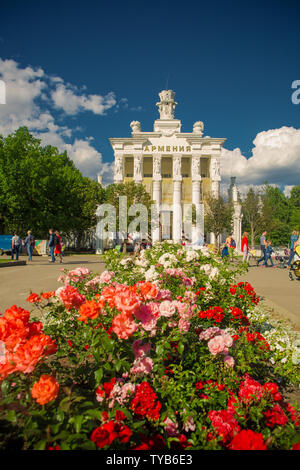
<point>15,245</point>
<point>293,240</point>
<point>231,245</point>
<point>245,247</point>
<point>263,246</point>
<point>52,245</point>
<point>57,248</point>
<point>30,243</point>
<point>268,255</point>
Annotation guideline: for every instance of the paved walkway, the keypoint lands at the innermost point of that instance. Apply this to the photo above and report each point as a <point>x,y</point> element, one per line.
<point>277,290</point>
<point>40,275</point>
<point>279,293</point>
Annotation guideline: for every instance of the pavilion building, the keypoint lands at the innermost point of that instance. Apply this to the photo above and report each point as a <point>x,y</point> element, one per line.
<point>177,168</point>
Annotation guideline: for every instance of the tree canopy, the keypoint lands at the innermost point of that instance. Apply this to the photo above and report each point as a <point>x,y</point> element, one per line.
<point>273,211</point>
<point>135,194</point>
<point>218,215</point>
<point>41,188</point>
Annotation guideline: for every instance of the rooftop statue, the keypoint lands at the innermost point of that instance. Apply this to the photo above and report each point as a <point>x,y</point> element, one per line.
<point>167,105</point>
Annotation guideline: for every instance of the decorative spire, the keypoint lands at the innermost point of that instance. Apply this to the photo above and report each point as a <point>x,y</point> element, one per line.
<point>167,105</point>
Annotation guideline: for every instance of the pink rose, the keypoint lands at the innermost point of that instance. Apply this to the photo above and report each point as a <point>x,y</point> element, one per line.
<point>140,349</point>
<point>183,325</point>
<point>167,308</point>
<point>216,345</point>
<point>171,427</point>
<point>229,361</point>
<point>142,365</point>
<point>106,276</point>
<point>228,341</point>
<point>189,424</point>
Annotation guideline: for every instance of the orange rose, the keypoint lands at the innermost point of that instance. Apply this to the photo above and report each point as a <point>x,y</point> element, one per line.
<point>15,331</point>
<point>107,295</point>
<point>127,302</point>
<point>148,290</point>
<point>47,295</point>
<point>27,355</point>
<point>45,390</point>
<point>123,326</point>
<point>17,312</point>
<point>7,367</point>
<point>4,329</point>
<point>90,309</point>
<point>33,298</point>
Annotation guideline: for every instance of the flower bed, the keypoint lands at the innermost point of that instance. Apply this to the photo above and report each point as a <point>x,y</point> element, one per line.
<point>162,351</point>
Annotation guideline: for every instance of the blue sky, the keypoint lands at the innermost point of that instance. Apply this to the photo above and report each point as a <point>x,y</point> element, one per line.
<point>230,63</point>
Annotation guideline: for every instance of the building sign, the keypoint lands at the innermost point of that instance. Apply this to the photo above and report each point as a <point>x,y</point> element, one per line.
<point>167,148</point>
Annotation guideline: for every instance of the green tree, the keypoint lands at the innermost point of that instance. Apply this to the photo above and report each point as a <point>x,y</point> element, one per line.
<point>295,205</point>
<point>218,215</point>
<point>279,207</point>
<point>252,208</point>
<point>135,194</point>
<point>41,188</point>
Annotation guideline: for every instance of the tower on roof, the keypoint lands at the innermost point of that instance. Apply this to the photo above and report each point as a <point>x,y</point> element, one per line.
<point>167,104</point>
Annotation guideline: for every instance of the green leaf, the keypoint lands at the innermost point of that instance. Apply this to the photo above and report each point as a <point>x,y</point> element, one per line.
<point>78,420</point>
<point>98,376</point>
<point>93,413</point>
<point>40,445</point>
<point>11,416</point>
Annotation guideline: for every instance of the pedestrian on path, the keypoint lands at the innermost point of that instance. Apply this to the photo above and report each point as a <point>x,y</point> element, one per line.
<point>268,255</point>
<point>52,244</point>
<point>57,249</point>
<point>293,240</point>
<point>245,247</point>
<point>263,246</point>
<point>231,245</point>
<point>30,243</point>
<point>16,244</point>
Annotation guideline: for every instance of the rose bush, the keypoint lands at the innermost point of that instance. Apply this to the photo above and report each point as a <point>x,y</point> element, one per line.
<point>161,351</point>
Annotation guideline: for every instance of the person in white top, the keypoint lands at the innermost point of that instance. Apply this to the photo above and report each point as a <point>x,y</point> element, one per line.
<point>15,246</point>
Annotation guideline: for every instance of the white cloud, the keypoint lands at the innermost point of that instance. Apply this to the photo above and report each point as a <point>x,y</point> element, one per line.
<point>28,103</point>
<point>275,158</point>
<point>67,98</point>
<point>88,160</point>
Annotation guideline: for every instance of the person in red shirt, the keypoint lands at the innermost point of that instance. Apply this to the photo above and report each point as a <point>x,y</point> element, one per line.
<point>57,250</point>
<point>245,247</point>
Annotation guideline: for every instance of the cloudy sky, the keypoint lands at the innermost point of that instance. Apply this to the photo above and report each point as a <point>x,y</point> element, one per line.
<point>77,73</point>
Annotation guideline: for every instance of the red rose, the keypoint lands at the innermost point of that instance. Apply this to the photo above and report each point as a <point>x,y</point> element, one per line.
<point>248,440</point>
<point>271,387</point>
<point>124,432</point>
<point>119,416</point>
<point>104,435</point>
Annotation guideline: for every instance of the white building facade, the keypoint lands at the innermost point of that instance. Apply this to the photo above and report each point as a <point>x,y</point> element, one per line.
<point>177,168</point>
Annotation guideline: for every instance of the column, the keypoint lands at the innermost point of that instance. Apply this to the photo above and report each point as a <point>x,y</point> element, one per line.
<point>215,188</point>
<point>215,175</point>
<point>237,224</point>
<point>177,211</point>
<point>215,184</point>
<point>119,168</point>
<point>237,215</point>
<point>156,196</point>
<point>138,168</point>
<point>177,207</point>
<point>198,229</point>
